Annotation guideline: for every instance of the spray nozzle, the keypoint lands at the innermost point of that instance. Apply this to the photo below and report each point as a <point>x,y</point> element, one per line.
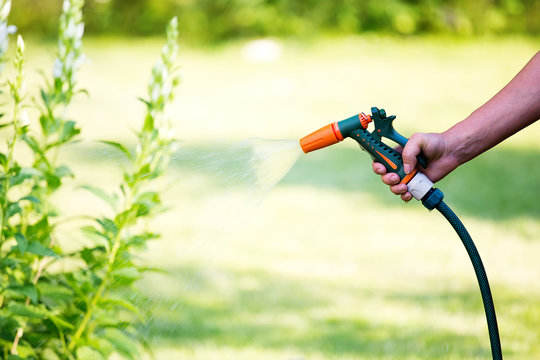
<point>355,127</point>
<point>334,133</point>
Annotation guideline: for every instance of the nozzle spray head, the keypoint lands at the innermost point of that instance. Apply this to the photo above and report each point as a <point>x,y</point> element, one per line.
<point>355,127</point>
<point>334,133</point>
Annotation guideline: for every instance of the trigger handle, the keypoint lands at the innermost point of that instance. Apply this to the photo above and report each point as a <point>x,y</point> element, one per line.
<point>384,128</point>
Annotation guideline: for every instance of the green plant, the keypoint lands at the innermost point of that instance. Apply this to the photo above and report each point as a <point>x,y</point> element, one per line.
<point>111,268</point>
<point>79,311</point>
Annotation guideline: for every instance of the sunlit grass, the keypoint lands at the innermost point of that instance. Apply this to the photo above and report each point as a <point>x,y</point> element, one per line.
<point>330,265</point>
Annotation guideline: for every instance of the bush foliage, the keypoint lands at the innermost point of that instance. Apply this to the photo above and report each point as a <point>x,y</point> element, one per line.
<point>214,20</point>
<point>77,304</point>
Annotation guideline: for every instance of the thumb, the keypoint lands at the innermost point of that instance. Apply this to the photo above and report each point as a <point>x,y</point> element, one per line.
<point>411,150</point>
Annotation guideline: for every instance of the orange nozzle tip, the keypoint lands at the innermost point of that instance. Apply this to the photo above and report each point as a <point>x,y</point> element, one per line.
<point>364,120</point>
<point>323,137</point>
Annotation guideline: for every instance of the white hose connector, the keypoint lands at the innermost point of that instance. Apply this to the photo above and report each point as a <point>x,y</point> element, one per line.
<point>419,186</point>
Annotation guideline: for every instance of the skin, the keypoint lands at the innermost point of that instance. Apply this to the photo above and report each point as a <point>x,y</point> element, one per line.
<point>513,108</point>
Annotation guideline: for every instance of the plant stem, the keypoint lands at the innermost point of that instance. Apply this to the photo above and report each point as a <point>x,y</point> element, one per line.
<point>7,167</point>
<point>97,296</point>
<point>41,265</point>
<point>19,335</point>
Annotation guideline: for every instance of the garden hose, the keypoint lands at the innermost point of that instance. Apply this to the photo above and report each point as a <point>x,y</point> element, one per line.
<point>479,270</point>
<point>417,183</point>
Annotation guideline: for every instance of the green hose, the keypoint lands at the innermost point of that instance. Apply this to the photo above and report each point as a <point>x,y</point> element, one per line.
<point>437,203</point>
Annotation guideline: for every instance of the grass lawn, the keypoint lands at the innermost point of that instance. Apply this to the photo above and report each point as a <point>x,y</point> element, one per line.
<point>330,265</point>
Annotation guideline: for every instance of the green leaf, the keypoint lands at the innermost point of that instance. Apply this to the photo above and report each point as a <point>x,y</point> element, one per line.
<point>102,344</point>
<point>39,231</point>
<point>61,323</point>
<point>147,202</point>
<point>144,173</point>
<point>49,354</point>
<point>146,102</point>
<point>27,291</point>
<point>27,311</point>
<point>120,147</point>
<point>6,262</point>
<point>88,353</point>
<point>53,181</point>
<point>30,198</point>
<point>39,249</point>
<point>148,123</point>
<point>63,171</point>
<point>23,174</point>
<point>108,318</point>
<point>127,217</point>
<point>8,328</point>
<point>90,258</point>
<point>116,301</point>
<point>82,91</point>
<point>94,234</point>
<point>33,144</point>
<point>141,239</point>
<point>128,273</point>
<point>15,357</point>
<point>54,291</point>
<point>3,159</point>
<point>22,242</point>
<point>13,209</point>
<point>45,123</point>
<point>108,225</point>
<point>45,97</point>
<point>124,344</point>
<point>25,352</point>
<point>109,199</point>
<point>69,131</point>
<point>84,282</point>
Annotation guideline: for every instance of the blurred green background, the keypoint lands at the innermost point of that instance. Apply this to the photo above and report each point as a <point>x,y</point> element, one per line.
<point>214,20</point>
<point>315,271</point>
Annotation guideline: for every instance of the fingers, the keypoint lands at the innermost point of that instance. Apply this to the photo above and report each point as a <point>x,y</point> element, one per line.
<point>399,189</point>
<point>411,150</point>
<point>390,179</point>
<point>379,168</point>
<point>393,180</point>
<point>406,197</point>
<point>395,187</point>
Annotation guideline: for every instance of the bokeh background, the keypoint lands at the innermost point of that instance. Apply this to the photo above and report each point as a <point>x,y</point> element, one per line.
<point>328,264</point>
<point>218,20</point>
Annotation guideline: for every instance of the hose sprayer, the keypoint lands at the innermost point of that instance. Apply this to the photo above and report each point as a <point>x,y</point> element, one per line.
<point>417,183</point>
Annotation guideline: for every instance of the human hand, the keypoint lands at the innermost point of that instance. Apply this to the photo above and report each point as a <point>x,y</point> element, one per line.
<point>440,161</point>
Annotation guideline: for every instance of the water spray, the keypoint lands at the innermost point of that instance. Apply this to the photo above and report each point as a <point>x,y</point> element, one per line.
<point>417,183</point>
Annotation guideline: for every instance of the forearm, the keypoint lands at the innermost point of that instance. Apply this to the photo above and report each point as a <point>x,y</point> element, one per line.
<point>516,106</point>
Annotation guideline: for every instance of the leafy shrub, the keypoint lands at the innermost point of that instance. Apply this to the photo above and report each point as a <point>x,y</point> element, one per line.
<point>82,311</point>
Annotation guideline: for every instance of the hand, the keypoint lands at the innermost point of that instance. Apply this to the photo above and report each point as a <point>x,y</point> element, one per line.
<point>434,147</point>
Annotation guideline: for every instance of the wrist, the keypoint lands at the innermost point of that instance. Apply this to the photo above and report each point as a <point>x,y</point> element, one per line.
<point>461,142</point>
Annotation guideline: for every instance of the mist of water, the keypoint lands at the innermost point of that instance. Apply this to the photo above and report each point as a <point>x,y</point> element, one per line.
<point>252,166</point>
<point>215,189</point>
